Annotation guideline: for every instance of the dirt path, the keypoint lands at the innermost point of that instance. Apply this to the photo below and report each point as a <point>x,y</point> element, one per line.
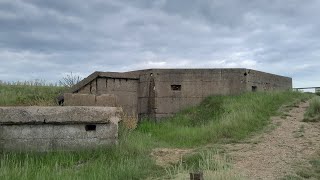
<point>272,155</point>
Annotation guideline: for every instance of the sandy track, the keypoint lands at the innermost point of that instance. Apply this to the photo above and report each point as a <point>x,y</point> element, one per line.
<point>272,155</point>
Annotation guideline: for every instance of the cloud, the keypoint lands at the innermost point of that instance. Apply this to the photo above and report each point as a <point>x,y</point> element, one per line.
<point>46,39</point>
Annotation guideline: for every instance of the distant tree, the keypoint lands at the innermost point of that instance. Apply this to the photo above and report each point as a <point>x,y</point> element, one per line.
<point>70,80</point>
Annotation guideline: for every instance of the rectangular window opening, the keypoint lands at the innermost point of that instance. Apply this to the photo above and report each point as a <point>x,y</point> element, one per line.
<point>254,88</point>
<point>91,127</point>
<point>176,87</point>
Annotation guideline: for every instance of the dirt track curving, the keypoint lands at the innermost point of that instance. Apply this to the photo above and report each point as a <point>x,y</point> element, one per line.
<point>272,155</point>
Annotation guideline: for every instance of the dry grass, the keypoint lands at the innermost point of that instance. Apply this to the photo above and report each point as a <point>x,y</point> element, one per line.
<point>313,112</point>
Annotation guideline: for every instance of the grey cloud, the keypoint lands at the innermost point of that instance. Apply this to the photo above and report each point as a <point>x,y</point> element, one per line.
<point>40,38</point>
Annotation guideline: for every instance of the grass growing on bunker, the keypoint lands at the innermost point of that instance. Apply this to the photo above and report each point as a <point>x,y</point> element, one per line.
<point>29,95</point>
<point>216,120</point>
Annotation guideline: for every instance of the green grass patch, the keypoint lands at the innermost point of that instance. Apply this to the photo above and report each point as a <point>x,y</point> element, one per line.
<point>313,112</point>
<point>216,119</point>
<point>21,95</point>
<point>221,118</point>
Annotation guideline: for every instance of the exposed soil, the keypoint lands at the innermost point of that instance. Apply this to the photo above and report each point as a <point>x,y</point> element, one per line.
<point>272,155</point>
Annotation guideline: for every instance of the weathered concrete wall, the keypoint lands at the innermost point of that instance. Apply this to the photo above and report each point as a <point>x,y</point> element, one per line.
<point>51,137</point>
<point>125,90</point>
<point>108,100</point>
<point>261,81</point>
<point>57,128</point>
<point>192,86</point>
<point>162,92</point>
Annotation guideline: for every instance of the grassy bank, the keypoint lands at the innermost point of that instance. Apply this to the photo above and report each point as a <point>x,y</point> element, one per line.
<point>28,95</point>
<point>220,118</point>
<point>216,120</point>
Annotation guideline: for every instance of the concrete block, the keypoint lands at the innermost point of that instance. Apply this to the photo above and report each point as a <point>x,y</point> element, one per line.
<point>78,144</point>
<point>127,85</point>
<point>79,99</point>
<point>109,100</point>
<point>188,89</point>
<point>143,105</point>
<point>144,89</point>
<point>64,128</point>
<point>85,89</point>
<point>58,115</point>
<point>126,98</point>
<point>102,86</point>
<point>94,87</point>
<point>26,132</point>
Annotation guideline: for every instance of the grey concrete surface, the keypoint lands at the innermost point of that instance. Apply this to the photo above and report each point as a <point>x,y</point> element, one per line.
<point>58,128</point>
<point>59,115</point>
<point>149,92</point>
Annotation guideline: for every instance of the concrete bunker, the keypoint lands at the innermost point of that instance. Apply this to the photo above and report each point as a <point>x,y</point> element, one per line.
<point>57,128</point>
<point>157,93</point>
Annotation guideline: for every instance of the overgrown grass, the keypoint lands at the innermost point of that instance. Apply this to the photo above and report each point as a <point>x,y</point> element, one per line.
<point>217,119</point>
<point>211,163</point>
<point>31,95</point>
<point>220,118</point>
<point>313,112</point>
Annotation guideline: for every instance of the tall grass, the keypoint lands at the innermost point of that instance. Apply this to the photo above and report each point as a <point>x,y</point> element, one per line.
<point>313,112</point>
<point>211,163</point>
<point>216,119</point>
<point>29,95</point>
<point>220,118</point>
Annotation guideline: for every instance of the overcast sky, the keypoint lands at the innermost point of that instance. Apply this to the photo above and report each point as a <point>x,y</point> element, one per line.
<point>47,39</point>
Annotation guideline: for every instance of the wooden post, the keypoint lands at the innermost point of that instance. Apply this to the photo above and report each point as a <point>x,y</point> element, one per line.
<point>196,176</point>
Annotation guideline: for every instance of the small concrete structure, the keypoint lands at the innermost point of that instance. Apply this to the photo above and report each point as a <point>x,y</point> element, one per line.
<point>158,93</point>
<point>57,128</point>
